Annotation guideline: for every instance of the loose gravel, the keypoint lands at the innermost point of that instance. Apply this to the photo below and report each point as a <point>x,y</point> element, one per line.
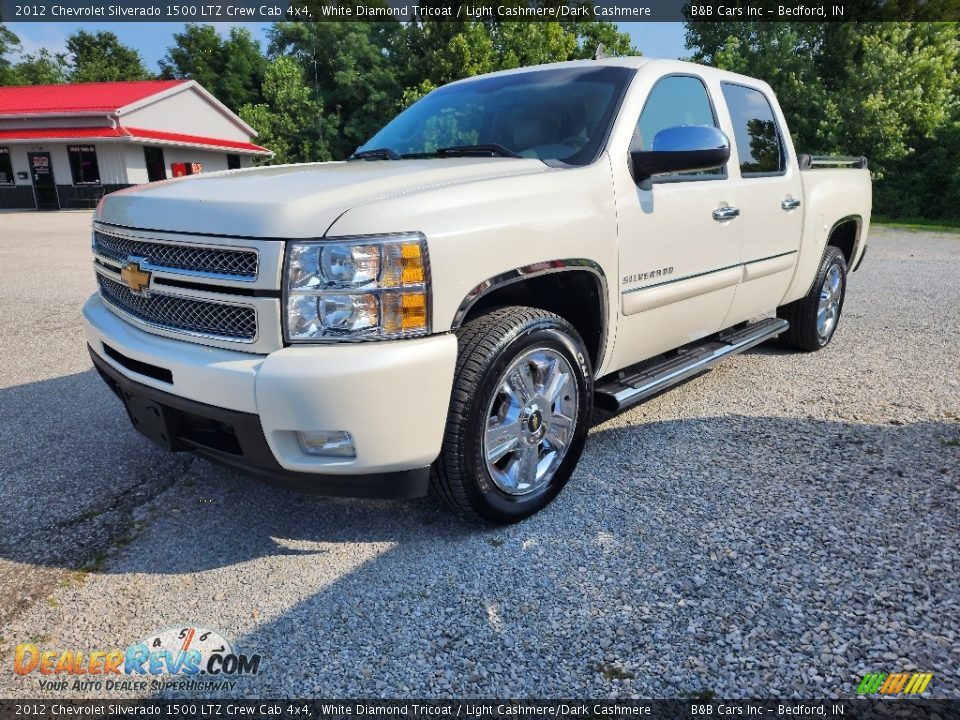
<point>777,527</point>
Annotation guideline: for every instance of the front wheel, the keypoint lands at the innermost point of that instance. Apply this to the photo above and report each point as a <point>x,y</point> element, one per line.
<point>519,414</point>
<point>814,317</point>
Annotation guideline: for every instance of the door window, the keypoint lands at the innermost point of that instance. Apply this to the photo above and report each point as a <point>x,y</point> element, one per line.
<point>83,164</point>
<point>758,139</point>
<point>6,167</point>
<point>675,100</point>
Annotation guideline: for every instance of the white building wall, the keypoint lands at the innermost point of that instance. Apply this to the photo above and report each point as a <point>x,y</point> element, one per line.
<point>110,160</point>
<point>18,158</point>
<point>137,164</point>
<point>212,161</point>
<point>188,113</point>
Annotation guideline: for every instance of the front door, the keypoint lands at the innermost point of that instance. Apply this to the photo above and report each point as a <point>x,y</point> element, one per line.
<point>156,170</point>
<point>44,185</point>
<point>679,238</point>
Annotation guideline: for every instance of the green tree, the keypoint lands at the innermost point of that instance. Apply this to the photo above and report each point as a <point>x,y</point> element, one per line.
<point>9,43</point>
<point>244,67</point>
<point>232,69</point>
<point>41,68</point>
<point>289,121</point>
<point>867,88</point>
<point>195,55</point>
<point>350,68</point>
<point>431,54</point>
<point>101,57</point>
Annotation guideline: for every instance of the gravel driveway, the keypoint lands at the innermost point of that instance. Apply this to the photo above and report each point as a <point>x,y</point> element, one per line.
<point>779,526</point>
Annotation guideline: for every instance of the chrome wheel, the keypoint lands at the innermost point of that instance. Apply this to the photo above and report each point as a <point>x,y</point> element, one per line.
<point>829,308</point>
<point>530,422</point>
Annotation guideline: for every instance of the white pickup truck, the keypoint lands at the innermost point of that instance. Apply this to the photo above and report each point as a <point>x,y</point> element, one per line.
<point>446,307</point>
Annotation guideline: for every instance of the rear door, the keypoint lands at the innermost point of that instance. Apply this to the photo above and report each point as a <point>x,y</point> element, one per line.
<point>770,196</point>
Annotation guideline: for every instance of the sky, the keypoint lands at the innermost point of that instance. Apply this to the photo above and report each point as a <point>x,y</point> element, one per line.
<point>152,39</point>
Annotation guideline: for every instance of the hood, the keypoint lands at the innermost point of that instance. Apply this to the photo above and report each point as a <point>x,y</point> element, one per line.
<point>290,201</point>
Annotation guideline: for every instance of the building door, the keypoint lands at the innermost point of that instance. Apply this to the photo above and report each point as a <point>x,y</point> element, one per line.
<point>44,185</point>
<point>156,170</point>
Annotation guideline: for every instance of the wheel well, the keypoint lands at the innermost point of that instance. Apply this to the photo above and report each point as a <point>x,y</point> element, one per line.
<point>575,295</point>
<point>844,237</point>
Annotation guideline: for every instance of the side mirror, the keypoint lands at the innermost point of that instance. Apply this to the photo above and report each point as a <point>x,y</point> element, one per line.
<point>683,148</point>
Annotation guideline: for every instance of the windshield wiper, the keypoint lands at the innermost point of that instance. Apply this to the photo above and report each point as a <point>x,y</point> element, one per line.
<point>493,149</point>
<point>375,154</point>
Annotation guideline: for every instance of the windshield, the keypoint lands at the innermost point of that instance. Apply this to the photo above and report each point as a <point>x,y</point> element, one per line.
<point>562,114</point>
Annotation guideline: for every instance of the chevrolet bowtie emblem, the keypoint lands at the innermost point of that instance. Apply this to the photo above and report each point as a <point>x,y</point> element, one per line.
<point>136,279</point>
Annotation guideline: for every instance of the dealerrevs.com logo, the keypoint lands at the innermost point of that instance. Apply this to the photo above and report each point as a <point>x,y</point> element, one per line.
<point>894,683</point>
<point>189,658</point>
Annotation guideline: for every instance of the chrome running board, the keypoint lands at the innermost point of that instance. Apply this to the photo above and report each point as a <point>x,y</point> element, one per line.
<point>644,380</point>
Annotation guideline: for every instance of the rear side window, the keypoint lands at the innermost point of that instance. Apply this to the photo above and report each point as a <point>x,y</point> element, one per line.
<point>759,144</point>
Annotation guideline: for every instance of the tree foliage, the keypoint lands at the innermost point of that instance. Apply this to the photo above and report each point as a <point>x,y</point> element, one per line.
<point>290,120</point>
<point>232,69</point>
<point>348,67</point>
<point>9,43</point>
<point>101,57</point>
<point>887,90</point>
<point>89,57</point>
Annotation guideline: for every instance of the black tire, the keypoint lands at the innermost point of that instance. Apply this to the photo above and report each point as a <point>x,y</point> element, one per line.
<point>488,345</point>
<point>802,314</point>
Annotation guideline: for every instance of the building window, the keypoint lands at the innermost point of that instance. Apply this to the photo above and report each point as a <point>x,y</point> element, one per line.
<point>83,164</point>
<point>233,162</point>
<point>6,167</point>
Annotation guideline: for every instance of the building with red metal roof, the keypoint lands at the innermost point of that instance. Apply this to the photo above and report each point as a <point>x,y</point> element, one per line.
<point>65,146</point>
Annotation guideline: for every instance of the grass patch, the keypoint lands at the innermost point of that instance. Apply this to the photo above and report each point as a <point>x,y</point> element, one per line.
<point>495,542</point>
<point>952,442</point>
<point>612,672</point>
<point>947,226</point>
<point>705,694</point>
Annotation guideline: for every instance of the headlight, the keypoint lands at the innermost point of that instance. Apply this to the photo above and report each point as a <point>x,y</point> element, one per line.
<point>357,288</point>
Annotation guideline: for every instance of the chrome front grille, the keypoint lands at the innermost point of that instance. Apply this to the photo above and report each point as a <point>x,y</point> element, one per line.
<point>179,313</point>
<point>224,262</point>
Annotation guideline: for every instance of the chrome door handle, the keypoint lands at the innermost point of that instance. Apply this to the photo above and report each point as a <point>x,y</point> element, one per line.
<point>790,204</point>
<point>725,213</point>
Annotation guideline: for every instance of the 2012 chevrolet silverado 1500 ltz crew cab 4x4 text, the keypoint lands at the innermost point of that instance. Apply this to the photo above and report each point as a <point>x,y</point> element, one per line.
<point>448,306</point>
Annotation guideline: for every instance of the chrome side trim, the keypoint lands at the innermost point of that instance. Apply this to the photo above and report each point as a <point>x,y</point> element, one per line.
<point>682,278</point>
<point>540,269</point>
<point>707,272</point>
<point>754,269</point>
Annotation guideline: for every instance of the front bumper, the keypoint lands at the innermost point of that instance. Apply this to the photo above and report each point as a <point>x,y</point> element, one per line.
<point>392,397</point>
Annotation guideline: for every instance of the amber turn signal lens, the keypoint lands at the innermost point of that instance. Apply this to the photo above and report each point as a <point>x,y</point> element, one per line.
<point>404,312</point>
<point>412,261</point>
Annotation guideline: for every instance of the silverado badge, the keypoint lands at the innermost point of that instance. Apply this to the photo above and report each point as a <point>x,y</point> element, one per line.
<point>136,279</point>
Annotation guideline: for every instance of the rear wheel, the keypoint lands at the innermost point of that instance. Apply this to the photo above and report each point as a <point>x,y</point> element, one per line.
<point>814,317</point>
<point>519,414</point>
